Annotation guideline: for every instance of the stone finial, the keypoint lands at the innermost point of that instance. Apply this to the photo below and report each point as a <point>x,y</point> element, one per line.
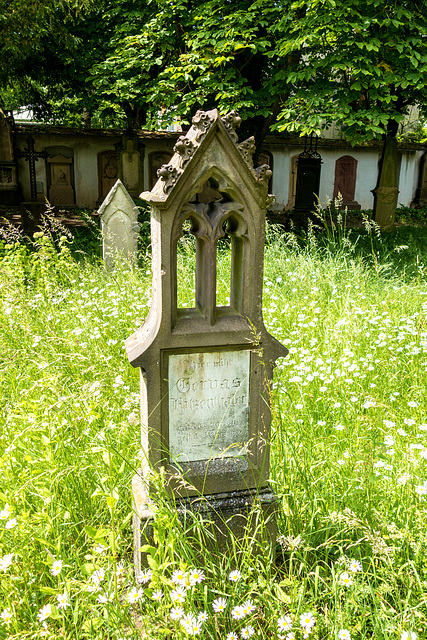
<point>185,148</point>
<point>203,121</point>
<point>231,122</point>
<point>169,174</point>
<point>247,149</point>
<point>263,173</point>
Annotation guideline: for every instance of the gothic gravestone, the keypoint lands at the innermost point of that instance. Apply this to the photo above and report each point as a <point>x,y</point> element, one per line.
<point>345,181</point>
<point>205,371</point>
<point>119,226</point>
<point>308,177</point>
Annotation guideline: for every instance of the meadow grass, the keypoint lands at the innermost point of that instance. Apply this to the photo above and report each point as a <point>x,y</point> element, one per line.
<point>348,443</point>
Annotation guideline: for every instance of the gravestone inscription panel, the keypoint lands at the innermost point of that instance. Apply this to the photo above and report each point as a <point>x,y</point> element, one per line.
<point>208,405</point>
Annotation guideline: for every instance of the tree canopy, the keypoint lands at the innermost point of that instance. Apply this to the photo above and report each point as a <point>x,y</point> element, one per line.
<point>294,65</point>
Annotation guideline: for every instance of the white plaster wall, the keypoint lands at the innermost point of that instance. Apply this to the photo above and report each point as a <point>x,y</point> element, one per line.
<point>408,176</point>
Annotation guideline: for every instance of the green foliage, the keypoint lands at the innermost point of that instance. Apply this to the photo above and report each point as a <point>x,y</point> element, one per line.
<point>348,446</point>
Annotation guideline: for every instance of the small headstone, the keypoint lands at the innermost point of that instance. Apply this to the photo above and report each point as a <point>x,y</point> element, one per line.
<point>205,371</point>
<point>60,191</point>
<point>119,226</point>
<point>345,182</point>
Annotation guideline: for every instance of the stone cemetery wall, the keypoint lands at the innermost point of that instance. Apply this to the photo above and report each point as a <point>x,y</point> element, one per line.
<point>99,157</point>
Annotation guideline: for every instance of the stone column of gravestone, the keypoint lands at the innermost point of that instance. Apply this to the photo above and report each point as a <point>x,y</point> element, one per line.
<point>386,191</point>
<point>130,153</point>
<point>205,371</point>
<point>119,226</point>
<point>9,189</point>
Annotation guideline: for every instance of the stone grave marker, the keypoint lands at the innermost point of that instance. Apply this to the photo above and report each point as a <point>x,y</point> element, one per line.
<point>205,370</point>
<point>119,226</point>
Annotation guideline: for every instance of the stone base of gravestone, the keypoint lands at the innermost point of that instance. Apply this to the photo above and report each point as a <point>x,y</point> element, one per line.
<point>31,215</point>
<point>385,202</point>
<point>243,515</point>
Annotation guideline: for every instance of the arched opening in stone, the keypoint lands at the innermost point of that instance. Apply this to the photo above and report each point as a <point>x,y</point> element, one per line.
<point>186,267</point>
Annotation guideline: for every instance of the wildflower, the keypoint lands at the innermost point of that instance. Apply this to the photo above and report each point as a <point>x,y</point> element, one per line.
<point>248,607</point>
<point>404,478</point>
<point>179,577</point>
<point>10,524</point>
<point>297,406</point>
<point>97,576</point>
<point>219,605</point>
<point>346,580</point>
<point>196,576</point>
<point>176,613</point>
<point>412,404</point>
<point>355,566</point>
<point>389,424</point>
<point>307,620</point>
<point>4,515</point>
<point>389,441</point>
<point>421,489</point>
<point>178,595</point>
<point>290,636</point>
<point>44,612</point>
<point>63,601</point>
<point>102,598</point>
<point>133,595</point>
<point>6,616</point>
<point>120,569</point>
<point>408,635</point>
<point>145,577</point>
<point>100,548</point>
<point>157,595</point>
<point>409,421</point>
<point>344,634</point>
<point>237,613</point>
<point>285,623</point>
<point>232,636</point>
<point>6,561</point>
<point>56,567</point>
<point>202,617</point>
<point>235,575</point>
<point>247,632</point>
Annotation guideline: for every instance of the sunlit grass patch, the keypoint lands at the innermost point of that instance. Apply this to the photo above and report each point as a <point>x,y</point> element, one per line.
<point>349,453</point>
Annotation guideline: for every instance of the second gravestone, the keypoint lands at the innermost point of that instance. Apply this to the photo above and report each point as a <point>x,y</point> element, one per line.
<point>205,371</point>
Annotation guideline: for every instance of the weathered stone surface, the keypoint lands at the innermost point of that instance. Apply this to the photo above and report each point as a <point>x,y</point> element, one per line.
<point>205,371</point>
<point>386,191</point>
<point>61,190</point>
<point>208,405</point>
<point>119,226</point>
<point>345,181</point>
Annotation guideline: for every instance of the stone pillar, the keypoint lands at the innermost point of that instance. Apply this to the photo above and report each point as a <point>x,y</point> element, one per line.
<point>386,191</point>
<point>421,192</point>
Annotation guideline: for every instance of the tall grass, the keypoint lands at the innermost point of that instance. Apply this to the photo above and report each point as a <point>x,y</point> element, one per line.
<point>349,449</point>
